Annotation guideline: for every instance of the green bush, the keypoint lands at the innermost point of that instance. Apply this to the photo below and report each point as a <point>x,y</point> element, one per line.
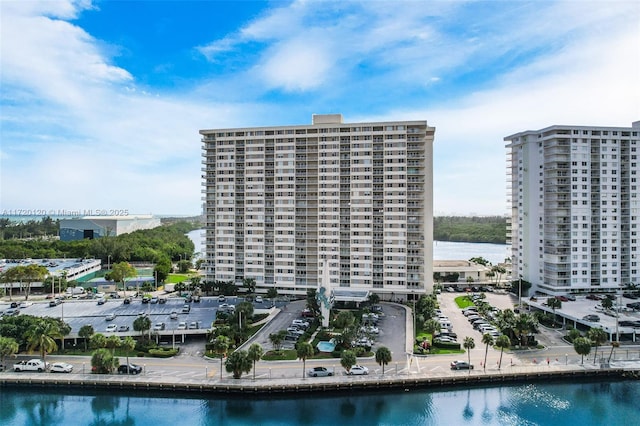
<point>163,353</point>
<point>447,345</point>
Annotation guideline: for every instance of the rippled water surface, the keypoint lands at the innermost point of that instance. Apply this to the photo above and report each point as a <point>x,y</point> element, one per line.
<point>585,404</point>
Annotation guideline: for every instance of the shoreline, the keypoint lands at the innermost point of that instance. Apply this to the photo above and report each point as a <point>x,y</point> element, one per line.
<point>313,386</point>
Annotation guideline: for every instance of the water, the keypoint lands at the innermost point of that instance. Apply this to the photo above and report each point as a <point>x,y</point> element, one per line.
<point>442,250</point>
<point>585,404</point>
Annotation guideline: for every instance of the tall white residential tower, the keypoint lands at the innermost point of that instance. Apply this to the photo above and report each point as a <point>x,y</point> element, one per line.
<point>575,207</point>
<point>280,199</point>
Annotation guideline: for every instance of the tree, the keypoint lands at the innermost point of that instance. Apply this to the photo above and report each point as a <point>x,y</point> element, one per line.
<point>431,326</point>
<point>383,357</point>
<point>597,337</point>
<point>374,298</point>
<point>238,363</point>
<point>162,268</point>
<point>304,350</point>
<point>272,293</point>
<point>613,346</point>
<point>502,342</point>
<point>42,336</point>
<point>487,339</point>
<point>469,344</point>
<point>607,303</point>
<point>85,332</point>
<point>103,362</point>
<point>554,304</point>
<point>348,360</point>
<point>184,266</point>
<point>8,347</point>
<point>249,284</point>
<point>121,271</point>
<point>582,346</point>
<point>276,339</point>
<point>220,347</point>
<point>344,319</point>
<point>142,324</point>
<point>113,342</point>
<point>573,334</point>
<point>255,354</point>
<point>98,341</point>
<point>312,302</point>
<point>128,344</point>
<point>26,275</point>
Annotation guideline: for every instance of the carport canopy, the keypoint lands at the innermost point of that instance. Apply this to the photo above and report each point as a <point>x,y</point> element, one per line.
<point>343,295</point>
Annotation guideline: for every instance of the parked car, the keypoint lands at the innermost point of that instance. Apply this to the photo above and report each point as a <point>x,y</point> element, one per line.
<point>259,299</point>
<point>186,309</point>
<point>154,299</point>
<point>61,367</point>
<point>146,299</point>
<point>162,300</point>
<point>306,313</point>
<point>111,328</point>
<point>159,326</point>
<point>300,323</point>
<point>129,369</point>
<point>221,298</point>
<point>591,317</point>
<point>110,317</point>
<point>193,325</point>
<point>123,328</point>
<point>461,365</point>
<point>182,325</point>
<point>319,372</point>
<point>101,301</point>
<point>31,365</point>
<point>173,315</point>
<point>358,370</point>
<point>55,302</point>
<point>593,297</point>
<point>127,300</point>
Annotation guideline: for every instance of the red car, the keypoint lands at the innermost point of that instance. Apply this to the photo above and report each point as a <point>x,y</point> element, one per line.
<point>593,297</point>
<point>562,298</point>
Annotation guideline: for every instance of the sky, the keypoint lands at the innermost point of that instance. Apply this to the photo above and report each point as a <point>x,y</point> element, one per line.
<point>101,102</point>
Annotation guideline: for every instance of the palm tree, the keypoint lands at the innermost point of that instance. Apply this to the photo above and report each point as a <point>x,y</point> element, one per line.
<point>582,346</point>
<point>142,324</point>
<point>276,339</point>
<point>469,344</point>
<point>42,336</point>
<point>8,346</point>
<point>220,347</point>
<point>502,342</point>
<point>554,304</point>
<point>254,354</point>
<point>98,341</point>
<point>238,363</point>
<point>304,351</point>
<point>431,326</point>
<point>85,332</point>
<point>113,342</point>
<point>487,339</point>
<point>613,346</point>
<point>597,337</point>
<point>383,357</point>
<point>128,344</point>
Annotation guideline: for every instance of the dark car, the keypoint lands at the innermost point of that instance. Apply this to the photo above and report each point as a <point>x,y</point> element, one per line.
<point>127,300</point>
<point>593,297</point>
<point>461,365</point>
<point>129,369</point>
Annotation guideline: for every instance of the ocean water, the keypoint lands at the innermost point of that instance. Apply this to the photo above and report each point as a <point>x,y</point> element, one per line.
<point>584,404</point>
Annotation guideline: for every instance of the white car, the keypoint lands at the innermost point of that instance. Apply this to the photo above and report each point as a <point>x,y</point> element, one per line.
<point>358,370</point>
<point>258,299</point>
<point>110,317</point>
<point>61,367</point>
<point>112,328</point>
<point>174,315</point>
<point>182,325</point>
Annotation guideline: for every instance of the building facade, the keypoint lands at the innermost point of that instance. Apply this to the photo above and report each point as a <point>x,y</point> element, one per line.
<point>573,196</point>
<point>280,199</point>
<point>90,227</point>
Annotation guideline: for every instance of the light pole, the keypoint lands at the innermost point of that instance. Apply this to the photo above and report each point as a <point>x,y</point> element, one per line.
<point>108,262</point>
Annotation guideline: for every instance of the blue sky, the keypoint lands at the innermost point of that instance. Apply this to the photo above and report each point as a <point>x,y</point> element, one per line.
<point>101,102</point>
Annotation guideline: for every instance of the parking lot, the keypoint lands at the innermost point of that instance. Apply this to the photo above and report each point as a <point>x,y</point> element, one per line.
<point>78,313</point>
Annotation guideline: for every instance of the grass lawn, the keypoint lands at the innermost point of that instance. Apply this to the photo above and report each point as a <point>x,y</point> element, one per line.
<point>463,302</point>
<point>176,278</point>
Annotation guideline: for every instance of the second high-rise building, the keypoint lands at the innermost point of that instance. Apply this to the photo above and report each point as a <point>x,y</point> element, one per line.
<point>279,200</point>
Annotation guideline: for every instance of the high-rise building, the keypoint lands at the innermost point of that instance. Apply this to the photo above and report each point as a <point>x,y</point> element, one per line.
<point>575,207</point>
<point>279,200</point>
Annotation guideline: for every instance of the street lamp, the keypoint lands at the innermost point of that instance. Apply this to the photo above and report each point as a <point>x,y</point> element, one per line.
<point>108,262</point>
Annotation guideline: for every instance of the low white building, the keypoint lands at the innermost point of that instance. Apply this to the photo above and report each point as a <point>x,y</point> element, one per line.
<point>90,227</point>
